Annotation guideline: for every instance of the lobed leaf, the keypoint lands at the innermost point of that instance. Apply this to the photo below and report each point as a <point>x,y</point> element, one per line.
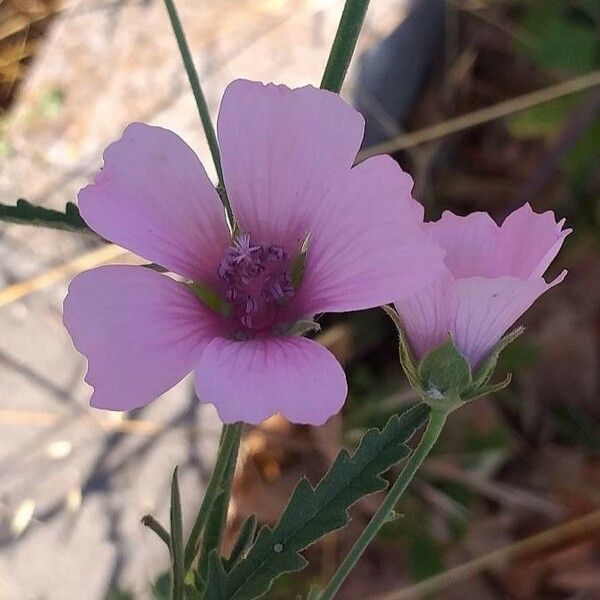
<point>314,512</point>
<point>26,213</point>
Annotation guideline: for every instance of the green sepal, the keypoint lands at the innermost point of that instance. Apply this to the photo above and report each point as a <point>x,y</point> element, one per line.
<point>444,371</point>
<point>299,327</point>
<point>484,390</point>
<point>486,370</point>
<point>211,299</point>
<point>299,263</point>
<point>443,378</point>
<point>314,593</point>
<point>407,359</point>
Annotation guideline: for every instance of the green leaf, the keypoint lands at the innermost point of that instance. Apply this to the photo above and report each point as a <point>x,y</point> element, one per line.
<point>444,370</point>
<point>161,589</point>
<point>315,512</point>
<point>211,536</point>
<point>244,539</point>
<point>25,213</point>
<point>150,522</point>
<point>176,539</point>
<point>120,595</point>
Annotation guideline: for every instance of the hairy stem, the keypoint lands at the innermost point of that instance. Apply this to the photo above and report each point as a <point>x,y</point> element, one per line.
<point>434,427</point>
<point>192,74</point>
<point>217,519</point>
<point>344,44</point>
<point>228,450</point>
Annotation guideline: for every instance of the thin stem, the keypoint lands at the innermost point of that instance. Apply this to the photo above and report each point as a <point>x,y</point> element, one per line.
<point>230,442</point>
<point>192,74</point>
<point>150,522</point>
<point>213,534</point>
<point>434,427</point>
<point>344,43</point>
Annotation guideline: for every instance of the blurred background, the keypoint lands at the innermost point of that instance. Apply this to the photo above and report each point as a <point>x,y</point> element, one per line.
<point>477,98</point>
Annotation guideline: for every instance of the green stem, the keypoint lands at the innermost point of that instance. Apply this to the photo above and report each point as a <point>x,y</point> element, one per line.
<point>192,74</point>
<point>434,427</point>
<point>150,522</point>
<point>217,519</point>
<point>230,442</point>
<point>344,44</point>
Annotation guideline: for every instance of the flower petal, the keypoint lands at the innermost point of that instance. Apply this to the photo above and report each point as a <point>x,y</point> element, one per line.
<point>368,245</point>
<point>487,308</point>
<point>428,316</point>
<point>250,381</point>
<point>528,243</point>
<point>282,150</point>
<point>470,243</point>
<point>154,198</point>
<point>141,332</point>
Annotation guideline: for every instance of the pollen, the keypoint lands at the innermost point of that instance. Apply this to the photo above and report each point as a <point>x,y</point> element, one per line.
<point>258,283</point>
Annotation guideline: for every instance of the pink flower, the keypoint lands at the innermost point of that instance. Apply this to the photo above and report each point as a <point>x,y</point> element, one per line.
<point>493,275</point>
<point>287,159</point>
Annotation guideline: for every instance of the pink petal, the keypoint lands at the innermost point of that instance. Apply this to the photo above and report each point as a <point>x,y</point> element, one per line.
<point>477,311</point>
<point>470,243</point>
<point>250,381</point>
<point>282,150</point>
<point>154,198</point>
<point>528,243</point>
<point>141,332</point>
<point>368,245</point>
<point>428,316</point>
<point>487,308</point>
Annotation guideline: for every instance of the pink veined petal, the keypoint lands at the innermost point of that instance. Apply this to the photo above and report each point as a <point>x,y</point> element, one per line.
<point>140,331</point>
<point>487,308</point>
<point>470,243</point>
<point>528,243</point>
<point>368,245</point>
<point>154,198</point>
<point>282,150</point>
<point>250,381</point>
<point>428,316</point>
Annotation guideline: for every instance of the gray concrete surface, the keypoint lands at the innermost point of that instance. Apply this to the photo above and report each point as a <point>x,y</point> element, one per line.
<point>75,481</point>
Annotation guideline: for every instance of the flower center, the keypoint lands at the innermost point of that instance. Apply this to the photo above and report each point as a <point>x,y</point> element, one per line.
<point>258,282</point>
